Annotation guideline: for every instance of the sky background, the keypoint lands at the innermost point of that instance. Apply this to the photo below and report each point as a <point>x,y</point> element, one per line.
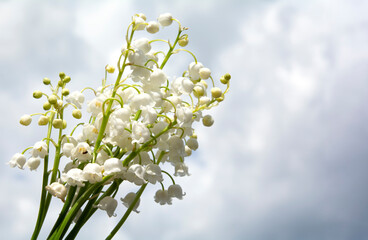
<point>287,157</point>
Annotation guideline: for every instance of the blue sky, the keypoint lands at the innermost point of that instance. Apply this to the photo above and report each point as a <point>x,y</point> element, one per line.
<point>287,155</point>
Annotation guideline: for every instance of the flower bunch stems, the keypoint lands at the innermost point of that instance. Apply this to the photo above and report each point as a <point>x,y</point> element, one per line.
<point>134,127</point>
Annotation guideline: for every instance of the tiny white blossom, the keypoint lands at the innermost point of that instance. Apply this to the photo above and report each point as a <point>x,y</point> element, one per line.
<point>67,149</point>
<point>181,170</point>
<point>33,163</point>
<point>74,177</point>
<point>77,98</point>
<point>142,44</point>
<point>165,19</point>
<point>128,200</point>
<point>162,197</point>
<point>152,27</point>
<point>57,189</point>
<point>92,172</point>
<point>204,73</point>
<point>113,166</point>
<point>18,160</point>
<point>109,205</point>
<point>192,143</point>
<point>135,174</point>
<point>176,191</point>
<point>82,152</point>
<point>140,133</point>
<point>139,23</point>
<point>194,70</point>
<point>39,149</point>
<point>153,173</point>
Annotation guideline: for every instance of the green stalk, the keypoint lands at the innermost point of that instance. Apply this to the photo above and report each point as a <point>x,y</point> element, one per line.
<point>83,217</point>
<point>74,210</point>
<point>41,209</point>
<point>64,210</point>
<point>128,211</point>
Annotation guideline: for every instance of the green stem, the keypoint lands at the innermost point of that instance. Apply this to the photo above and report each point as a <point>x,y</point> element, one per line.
<point>40,217</point>
<point>169,53</point>
<point>83,217</point>
<point>74,210</point>
<point>128,211</point>
<point>64,210</point>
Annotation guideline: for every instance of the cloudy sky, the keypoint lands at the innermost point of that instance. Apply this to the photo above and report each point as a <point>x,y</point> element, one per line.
<point>287,156</point>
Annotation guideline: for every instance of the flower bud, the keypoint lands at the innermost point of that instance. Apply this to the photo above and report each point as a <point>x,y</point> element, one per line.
<point>60,83</point>
<point>59,104</point>
<point>183,41</point>
<point>77,113</point>
<point>220,99</point>
<point>46,106</point>
<point>141,15</point>
<point>188,151</point>
<point>165,19</point>
<point>216,92</point>
<point>65,92</point>
<point>152,27</point>
<point>110,69</point>
<point>192,143</point>
<point>225,79</point>
<point>198,91</point>
<point>25,120</point>
<point>62,75</point>
<point>52,99</point>
<point>64,124</point>
<point>204,73</point>
<point>46,81</point>
<point>66,79</point>
<point>57,123</point>
<point>43,120</point>
<point>37,94</point>
<point>207,121</point>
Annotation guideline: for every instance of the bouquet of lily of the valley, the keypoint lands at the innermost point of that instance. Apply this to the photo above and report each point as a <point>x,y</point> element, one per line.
<point>139,129</point>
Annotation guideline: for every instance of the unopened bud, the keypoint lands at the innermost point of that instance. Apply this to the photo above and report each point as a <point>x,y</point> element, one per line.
<point>198,91</point>
<point>46,106</point>
<point>216,92</point>
<point>57,123</point>
<point>64,124</point>
<point>204,73</point>
<point>25,120</point>
<point>225,79</point>
<point>110,69</point>
<point>141,15</point>
<point>37,94</point>
<point>62,75</point>
<point>46,81</point>
<point>153,27</point>
<point>43,120</point>
<point>77,113</point>
<point>65,92</point>
<point>183,41</point>
<point>52,99</point>
<point>66,79</point>
<point>208,121</point>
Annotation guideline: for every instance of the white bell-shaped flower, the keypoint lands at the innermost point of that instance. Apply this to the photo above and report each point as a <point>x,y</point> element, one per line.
<point>74,177</point>
<point>90,132</point>
<point>140,100</point>
<point>148,114</point>
<point>175,191</point>
<point>142,44</point>
<point>140,133</point>
<point>82,152</point>
<point>135,174</point>
<point>184,114</point>
<point>92,172</point>
<point>128,200</point>
<point>153,173</point>
<point>109,205</point>
<point>162,197</point>
<point>33,163</point>
<point>39,149</point>
<point>194,70</point>
<point>181,170</point>
<point>18,160</point>
<point>165,19</point>
<point>152,27</point>
<point>77,98</point>
<point>57,189</point>
<point>113,166</point>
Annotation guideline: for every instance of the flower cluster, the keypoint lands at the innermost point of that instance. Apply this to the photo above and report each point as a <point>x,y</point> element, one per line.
<point>140,128</point>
